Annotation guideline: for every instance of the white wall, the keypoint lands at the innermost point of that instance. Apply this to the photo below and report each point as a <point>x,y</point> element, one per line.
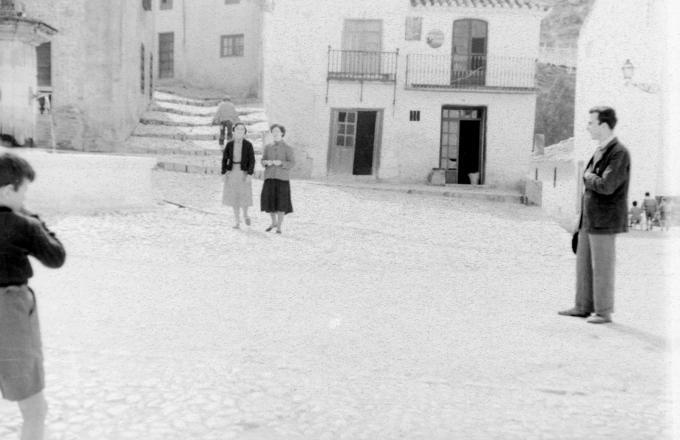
<point>198,28</point>
<point>617,30</point>
<point>295,84</point>
<point>82,183</point>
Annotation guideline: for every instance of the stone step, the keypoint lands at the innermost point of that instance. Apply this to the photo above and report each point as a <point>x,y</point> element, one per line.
<point>160,146</point>
<point>253,121</point>
<point>192,102</point>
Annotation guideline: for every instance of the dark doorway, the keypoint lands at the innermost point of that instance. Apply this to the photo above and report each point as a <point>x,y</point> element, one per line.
<point>468,159</point>
<point>363,152</point>
<point>462,143</point>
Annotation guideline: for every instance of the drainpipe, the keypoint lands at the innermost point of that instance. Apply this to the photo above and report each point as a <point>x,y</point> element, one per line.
<point>184,40</point>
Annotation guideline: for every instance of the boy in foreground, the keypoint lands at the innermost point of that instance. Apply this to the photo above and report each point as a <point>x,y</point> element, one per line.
<point>22,378</point>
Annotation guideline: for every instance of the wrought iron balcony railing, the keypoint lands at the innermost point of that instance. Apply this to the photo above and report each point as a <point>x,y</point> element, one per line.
<point>359,65</point>
<point>470,72</point>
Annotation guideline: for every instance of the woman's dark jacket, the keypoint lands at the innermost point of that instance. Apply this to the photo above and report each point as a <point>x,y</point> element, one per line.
<point>247,157</point>
<point>605,200</point>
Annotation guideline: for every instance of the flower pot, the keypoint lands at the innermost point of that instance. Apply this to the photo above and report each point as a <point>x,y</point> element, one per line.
<point>437,177</point>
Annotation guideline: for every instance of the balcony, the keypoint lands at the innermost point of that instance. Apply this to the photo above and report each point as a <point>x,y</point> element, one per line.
<point>359,65</point>
<point>473,72</point>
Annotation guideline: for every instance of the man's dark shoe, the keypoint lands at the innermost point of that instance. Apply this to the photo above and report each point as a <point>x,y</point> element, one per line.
<point>574,312</point>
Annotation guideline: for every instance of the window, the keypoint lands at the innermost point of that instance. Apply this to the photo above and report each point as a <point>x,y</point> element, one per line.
<point>151,75</point>
<point>141,67</point>
<point>346,129</point>
<point>44,54</point>
<point>146,5</point>
<point>232,2</point>
<point>414,115</point>
<point>232,46</point>
<point>361,45</point>
<point>166,4</point>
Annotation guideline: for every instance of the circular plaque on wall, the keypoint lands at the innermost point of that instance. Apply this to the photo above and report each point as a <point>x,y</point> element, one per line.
<point>435,38</point>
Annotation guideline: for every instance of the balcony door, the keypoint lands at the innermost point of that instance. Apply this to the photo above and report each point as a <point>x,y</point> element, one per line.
<point>361,45</point>
<point>468,57</point>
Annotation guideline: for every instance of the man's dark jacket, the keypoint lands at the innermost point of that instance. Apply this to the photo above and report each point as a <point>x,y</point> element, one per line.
<point>247,157</point>
<point>605,200</point>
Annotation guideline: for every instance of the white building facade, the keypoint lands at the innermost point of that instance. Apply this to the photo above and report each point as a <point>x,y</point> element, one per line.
<point>626,61</point>
<point>211,44</point>
<point>394,89</point>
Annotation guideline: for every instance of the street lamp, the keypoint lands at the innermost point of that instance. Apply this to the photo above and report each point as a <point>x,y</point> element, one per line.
<point>628,70</point>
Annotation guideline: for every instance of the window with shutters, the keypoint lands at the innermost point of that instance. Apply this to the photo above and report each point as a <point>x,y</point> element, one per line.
<point>44,62</point>
<point>231,45</point>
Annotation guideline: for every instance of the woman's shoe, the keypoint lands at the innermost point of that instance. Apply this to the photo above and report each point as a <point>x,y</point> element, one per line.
<point>270,228</point>
<point>247,221</point>
<point>236,226</point>
<point>278,231</point>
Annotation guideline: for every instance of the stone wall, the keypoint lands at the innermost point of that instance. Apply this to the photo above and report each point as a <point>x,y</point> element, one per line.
<point>96,95</point>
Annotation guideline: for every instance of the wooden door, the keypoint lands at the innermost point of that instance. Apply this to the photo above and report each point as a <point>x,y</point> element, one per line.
<point>166,55</point>
<point>343,142</point>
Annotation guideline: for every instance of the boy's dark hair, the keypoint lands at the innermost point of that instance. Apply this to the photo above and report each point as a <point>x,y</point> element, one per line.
<point>605,115</point>
<point>280,127</point>
<point>242,125</point>
<point>646,194</point>
<point>14,170</point>
<point>634,202</point>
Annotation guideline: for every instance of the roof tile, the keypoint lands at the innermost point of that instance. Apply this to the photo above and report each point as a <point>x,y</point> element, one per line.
<point>525,4</point>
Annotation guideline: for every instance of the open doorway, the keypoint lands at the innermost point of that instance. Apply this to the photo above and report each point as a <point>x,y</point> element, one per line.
<point>462,149</point>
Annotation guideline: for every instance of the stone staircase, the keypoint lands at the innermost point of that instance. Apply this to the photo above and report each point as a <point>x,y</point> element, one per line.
<point>178,131</point>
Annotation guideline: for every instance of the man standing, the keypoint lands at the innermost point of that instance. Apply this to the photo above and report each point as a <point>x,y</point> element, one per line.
<point>604,213</point>
<point>226,116</point>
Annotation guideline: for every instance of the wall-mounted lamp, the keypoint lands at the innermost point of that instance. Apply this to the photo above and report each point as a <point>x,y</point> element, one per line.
<point>628,71</point>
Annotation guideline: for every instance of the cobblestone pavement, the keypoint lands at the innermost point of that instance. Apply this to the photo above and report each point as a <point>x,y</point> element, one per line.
<point>375,315</point>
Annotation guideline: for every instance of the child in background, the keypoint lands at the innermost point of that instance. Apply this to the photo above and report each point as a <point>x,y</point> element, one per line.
<point>635,215</point>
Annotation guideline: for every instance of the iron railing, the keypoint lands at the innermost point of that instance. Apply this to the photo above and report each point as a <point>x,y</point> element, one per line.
<point>360,65</point>
<point>470,71</point>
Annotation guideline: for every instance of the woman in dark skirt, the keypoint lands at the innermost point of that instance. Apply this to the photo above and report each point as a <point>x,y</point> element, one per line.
<point>277,160</point>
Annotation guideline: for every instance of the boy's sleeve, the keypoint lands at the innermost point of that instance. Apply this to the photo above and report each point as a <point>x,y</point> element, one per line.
<point>43,244</point>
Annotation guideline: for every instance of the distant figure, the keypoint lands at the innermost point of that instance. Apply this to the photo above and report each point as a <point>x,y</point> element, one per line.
<point>635,214</point>
<point>278,160</point>
<point>649,205</point>
<point>238,165</point>
<point>604,213</point>
<point>665,211</point>
<point>226,116</point>
<point>22,376</point>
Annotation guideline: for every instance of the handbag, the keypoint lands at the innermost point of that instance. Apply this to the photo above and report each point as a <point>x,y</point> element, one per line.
<point>574,242</point>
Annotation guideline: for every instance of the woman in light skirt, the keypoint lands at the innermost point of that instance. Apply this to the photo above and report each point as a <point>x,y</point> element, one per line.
<point>238,165</point>
<point>278,160</point>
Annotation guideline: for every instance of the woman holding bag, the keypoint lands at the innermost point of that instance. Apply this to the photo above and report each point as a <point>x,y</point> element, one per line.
<point>238,165</point>
<point>277,160</point>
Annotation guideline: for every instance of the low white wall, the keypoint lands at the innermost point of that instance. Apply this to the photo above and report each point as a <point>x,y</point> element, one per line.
<point>81,183</point>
